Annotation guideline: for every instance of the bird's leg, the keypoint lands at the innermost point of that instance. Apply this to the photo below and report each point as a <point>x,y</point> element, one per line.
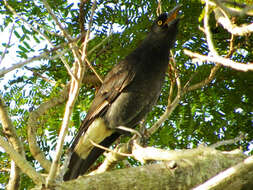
<point>143,131</point>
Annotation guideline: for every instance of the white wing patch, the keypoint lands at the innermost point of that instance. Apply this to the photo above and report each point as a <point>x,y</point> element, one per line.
<point>96,132</point>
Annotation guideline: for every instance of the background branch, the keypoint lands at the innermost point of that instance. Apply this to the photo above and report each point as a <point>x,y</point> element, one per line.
<point>33,125</point>
<point>229,26</point>
<point>220,60</point>
<point>7,45</point>
<point>21,162</point>
<point>78,70</point>
<point>10,132</point>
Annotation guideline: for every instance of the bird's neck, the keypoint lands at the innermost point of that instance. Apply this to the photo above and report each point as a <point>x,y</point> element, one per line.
<point>158,44</point>
<point>153,49</point>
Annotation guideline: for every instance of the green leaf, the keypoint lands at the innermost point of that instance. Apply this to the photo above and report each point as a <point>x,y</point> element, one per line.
<point>27,45</point>
<point>16,34</point>
<point>23,48</point>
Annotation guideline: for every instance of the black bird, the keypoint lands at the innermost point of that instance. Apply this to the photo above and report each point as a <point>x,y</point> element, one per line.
<point>128,93</point>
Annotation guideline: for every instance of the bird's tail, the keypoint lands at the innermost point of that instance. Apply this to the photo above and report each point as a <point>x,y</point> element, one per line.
<point>78,166</point>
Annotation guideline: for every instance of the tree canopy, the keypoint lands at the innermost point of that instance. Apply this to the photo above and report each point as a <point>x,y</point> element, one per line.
<point>52,49</point>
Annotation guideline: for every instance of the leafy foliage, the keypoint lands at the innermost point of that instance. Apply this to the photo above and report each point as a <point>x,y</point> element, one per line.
<point>219,111</point>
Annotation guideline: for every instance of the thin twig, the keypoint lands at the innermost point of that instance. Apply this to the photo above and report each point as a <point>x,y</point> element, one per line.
<point>231,47</point>
<point>34,58</point>
<point>127,129</point>
<point>8,44</point>
<point>221,60</point>
<point>46,37</point>
<point>12,136</point>
<point>94,71</point>
<point>50,11</point>
<point>87,36</point>
<point>33,125</point>
<point>73,93</point>
<point>78,71</point>
<point>227,142</point>
<point>41,76</point>
<point>73,46</point>
<point>109,150</point>
<point>172,83</point>
<point>82,15</point>
<point>101,43</point>
<point>111,158</point>
<point>25,22</point>
<point>170,107</point>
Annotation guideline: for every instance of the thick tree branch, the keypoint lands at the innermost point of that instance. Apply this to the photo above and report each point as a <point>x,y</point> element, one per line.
<point>202,162</point>
<point>22,163</point>
<point>10,132</point>
<point>226,178</point>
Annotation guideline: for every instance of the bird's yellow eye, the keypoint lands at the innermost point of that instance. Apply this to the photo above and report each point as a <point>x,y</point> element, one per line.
<point>159,22</point>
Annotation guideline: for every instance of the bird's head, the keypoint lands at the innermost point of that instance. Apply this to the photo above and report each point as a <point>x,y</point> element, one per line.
<point>166,23</point>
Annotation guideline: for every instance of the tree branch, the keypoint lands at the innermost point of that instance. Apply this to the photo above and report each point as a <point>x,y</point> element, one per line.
<point>44,55</point>
<point>230,141</point>
<point>229,26</point>
<point>204,163</point>
<point>76,81</point>
<point>50,11</point>
<point>82,16</point>
<point>10,132</point>
<point>94,71</point>
<point>22,163</point>
<point>207,30</point>
<point>220,60</point>
<point>244,9</point>
<point>33,125</point>
<point>59,54</point>
<point>227,177</point>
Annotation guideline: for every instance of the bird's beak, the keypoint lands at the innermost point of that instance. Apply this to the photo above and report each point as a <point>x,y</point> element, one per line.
<point>172,15</point>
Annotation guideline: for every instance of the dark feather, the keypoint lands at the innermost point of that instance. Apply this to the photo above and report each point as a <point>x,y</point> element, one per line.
<point>128,93</point>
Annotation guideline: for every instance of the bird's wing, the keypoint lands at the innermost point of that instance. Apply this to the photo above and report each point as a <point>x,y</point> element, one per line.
<point>116,80</point>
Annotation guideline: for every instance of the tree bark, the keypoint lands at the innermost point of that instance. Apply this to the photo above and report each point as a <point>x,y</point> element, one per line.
<point>179,174</point>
